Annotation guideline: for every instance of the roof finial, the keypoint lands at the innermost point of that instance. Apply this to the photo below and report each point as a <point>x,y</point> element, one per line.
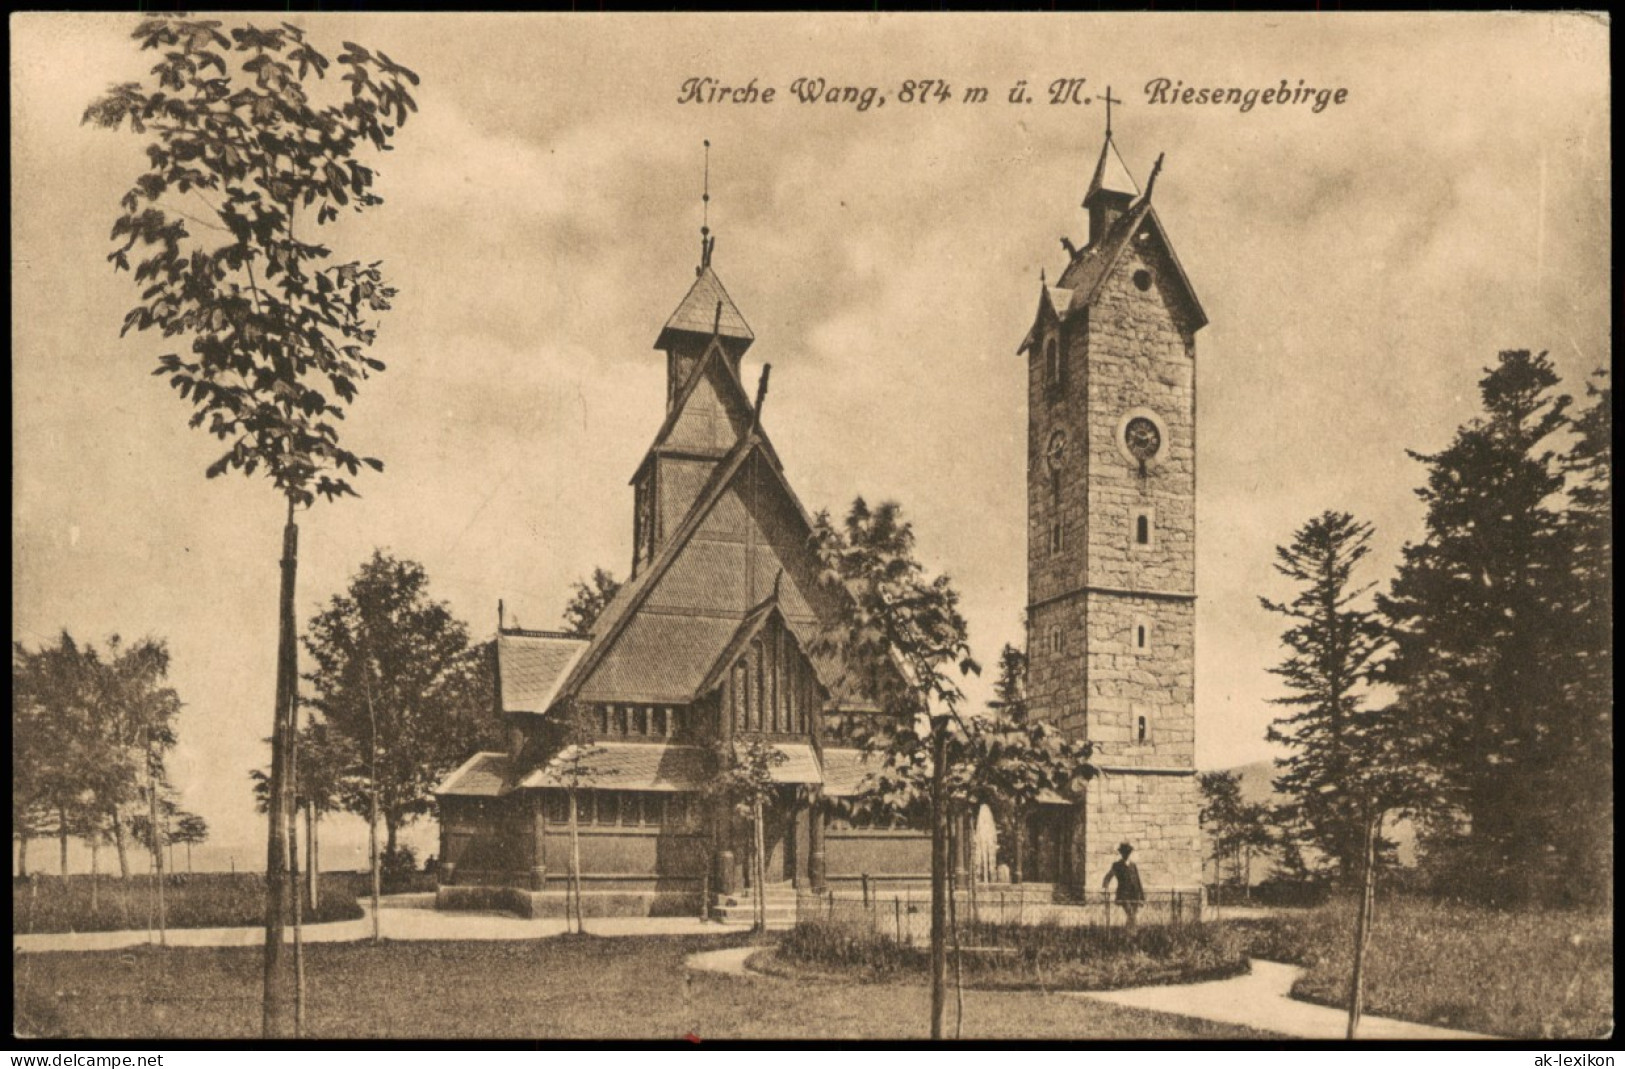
<point>705,212</point>
<point>761,396</point>
<point>1152,181</point>
<point>1110,100</point>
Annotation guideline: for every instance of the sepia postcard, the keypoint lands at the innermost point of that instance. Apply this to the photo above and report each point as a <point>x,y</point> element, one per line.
<point>808,528</point>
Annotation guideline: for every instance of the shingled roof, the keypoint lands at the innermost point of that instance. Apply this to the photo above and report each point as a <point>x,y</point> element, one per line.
<point>628,766</point>
<point>698,314</point>
<point>485,775</point>
<point>531,665</point>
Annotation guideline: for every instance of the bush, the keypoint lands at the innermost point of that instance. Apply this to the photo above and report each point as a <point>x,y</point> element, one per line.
<point>191,900</point>
<point>398,869</point>
<point>1071,957</point>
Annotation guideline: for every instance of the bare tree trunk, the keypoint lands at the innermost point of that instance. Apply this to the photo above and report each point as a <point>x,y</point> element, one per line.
<point>95,873</point>
<point>188,857</point>
<point>157,852</point>
<point>377,864</point>
<point>1362,926</point>
<point>1018,822</point>
<point>959,961</point>
<point>312,870</point>
<point>575,866</point>
<point>22,855</point>
<point>62,836</point>
<point>120,844</point>
<point>293,885</point>
<point>759,868</point>
<point>939,878</point>
<point>276,844</point>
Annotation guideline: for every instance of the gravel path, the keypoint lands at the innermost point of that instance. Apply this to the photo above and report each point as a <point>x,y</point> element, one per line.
<point>1262,1000</point>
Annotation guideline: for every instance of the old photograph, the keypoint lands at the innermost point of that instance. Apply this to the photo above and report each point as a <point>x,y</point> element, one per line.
<point>865,527</point>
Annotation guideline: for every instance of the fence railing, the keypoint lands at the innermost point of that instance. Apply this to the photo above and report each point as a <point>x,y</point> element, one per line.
<point>903,913</point>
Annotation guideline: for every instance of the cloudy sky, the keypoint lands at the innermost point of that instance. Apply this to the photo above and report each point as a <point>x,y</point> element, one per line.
<point>1359,265</point>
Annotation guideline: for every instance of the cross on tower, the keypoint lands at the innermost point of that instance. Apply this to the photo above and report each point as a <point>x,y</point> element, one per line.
<point>1110,100</point>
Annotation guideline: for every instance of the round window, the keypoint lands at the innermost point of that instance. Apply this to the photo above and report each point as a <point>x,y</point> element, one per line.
<point>1142,280</point>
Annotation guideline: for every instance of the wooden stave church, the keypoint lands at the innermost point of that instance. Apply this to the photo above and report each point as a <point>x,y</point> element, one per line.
<point>711,640</point>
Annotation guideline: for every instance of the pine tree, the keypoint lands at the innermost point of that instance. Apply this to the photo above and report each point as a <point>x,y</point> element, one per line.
<point>1478,612</point>
<point>1333,644</point>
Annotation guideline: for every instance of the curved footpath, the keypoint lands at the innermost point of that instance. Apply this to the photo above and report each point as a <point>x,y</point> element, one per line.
<point>1261,999</point>
<point>394,923</point>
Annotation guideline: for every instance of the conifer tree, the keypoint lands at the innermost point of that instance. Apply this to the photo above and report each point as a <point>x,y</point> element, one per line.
<point>1332,645</point>
<point>1481,620</point>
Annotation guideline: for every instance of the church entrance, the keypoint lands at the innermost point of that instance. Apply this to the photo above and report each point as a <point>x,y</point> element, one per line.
<point>1047,838</point>
<point>784,839</point>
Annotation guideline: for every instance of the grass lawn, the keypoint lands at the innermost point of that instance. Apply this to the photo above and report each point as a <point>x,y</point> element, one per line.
<point>1531,974</point>
<point>550,988</point>
<point>203,900</point>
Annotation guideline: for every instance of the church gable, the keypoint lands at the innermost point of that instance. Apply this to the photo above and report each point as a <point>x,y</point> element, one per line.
<point>711,414</point>
<point>746,532</point>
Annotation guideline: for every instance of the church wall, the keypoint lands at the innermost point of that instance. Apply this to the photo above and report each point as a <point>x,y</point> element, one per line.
<point>852,853</point>
<point>1156,813</point>
<point>1141,359</point>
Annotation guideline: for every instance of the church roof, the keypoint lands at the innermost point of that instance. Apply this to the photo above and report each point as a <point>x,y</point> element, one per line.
<point>698,314</point>
<point>531,666</point>
<point>688,658</point>
<point>713,363</point>
<point>1080,283</point>
<point>1111,176</point>
<point>628,766</point>
<point>485,775</point>
<point>800,764</point>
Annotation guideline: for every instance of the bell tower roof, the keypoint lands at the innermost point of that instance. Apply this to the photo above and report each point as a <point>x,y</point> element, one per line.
<point>706,310</point>
<point>1111,178</point>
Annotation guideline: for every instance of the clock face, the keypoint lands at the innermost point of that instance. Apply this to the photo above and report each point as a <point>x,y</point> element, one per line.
<point>1142,438</point>
<point>1055,450</point>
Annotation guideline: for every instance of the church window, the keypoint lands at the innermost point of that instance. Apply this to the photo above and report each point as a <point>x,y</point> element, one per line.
<point>1142,280</point>
<point>603,720</point>
<point>1057,537</point>
<point>1142,729</point>
<point>1143,524</point>
<point>558,807</point>
<point>585,806</point>
<point>623,719</point>
<point>1052,362</point>
<point>1055,640</point>
<point>1140,635</point>
<point>609,807</point>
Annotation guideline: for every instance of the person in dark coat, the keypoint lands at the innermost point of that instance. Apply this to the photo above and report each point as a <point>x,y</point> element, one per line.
<point>1130,892</point>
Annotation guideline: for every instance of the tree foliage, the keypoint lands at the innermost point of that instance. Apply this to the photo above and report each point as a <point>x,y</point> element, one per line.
<point>90,730</point>
<point>385,651</point>
<point>244,166</point>
<point>1482,614</point>
<point>1333,643</point>
<point>588,599</point>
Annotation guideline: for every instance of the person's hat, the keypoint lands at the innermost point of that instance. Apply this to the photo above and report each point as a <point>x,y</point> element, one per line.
<point>1125,848</point>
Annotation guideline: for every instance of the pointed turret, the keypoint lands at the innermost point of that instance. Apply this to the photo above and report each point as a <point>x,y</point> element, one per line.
<point>705,312</point>
<point>1111,191</point>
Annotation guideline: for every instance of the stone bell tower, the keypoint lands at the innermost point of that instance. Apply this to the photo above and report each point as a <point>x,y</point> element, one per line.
<point>1111,536</point>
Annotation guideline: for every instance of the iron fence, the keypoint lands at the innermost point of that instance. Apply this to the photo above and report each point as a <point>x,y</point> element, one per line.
<point>902,912</point>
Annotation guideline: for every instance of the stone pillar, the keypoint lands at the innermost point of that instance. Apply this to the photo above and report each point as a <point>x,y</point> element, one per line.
<point>818,820</point>
<point>538,842</point>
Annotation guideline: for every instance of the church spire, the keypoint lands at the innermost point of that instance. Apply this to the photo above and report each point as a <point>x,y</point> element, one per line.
<point>1111,189</point>
<point>706,314</point>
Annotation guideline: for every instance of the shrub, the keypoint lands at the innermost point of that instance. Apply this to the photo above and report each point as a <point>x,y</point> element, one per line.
<point>399,870</point>
<point>191,900</point>
<point>1073,957</point>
